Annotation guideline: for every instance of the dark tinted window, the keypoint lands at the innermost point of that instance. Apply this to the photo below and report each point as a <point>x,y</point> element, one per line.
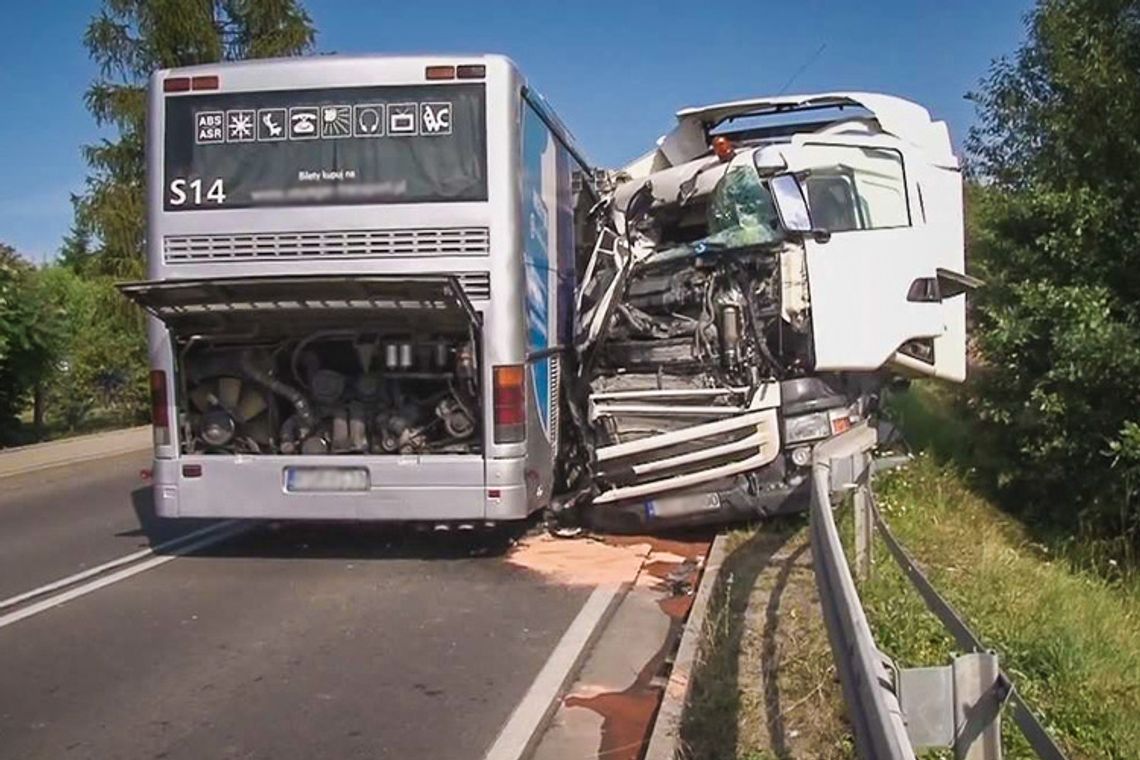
<point>328,146</point>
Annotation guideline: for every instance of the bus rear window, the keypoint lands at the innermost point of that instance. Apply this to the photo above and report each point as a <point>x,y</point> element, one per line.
<point>356,145</point>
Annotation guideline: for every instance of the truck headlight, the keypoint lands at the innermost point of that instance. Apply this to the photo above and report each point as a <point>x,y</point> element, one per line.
<point>807,427</point>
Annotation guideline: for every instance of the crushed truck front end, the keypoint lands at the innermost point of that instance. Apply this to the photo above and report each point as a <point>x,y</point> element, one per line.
<point>761,275</point>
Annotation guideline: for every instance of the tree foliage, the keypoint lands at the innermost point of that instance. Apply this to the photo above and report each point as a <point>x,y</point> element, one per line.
<point>1054,159</point>
<point>129,39</point>
<point>28,336</point>
<point>100,357</point>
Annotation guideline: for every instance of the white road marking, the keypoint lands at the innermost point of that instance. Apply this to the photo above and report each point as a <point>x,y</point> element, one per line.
<point>205,537</point>
<point>521,731</point>
<point>119,562</point>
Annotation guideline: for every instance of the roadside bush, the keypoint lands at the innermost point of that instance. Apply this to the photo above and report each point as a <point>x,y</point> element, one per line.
<point>1060,379</point>
<point>102,362</point>
<point>1053,233</point>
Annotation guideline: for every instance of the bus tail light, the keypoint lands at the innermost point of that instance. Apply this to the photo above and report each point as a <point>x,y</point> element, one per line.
<point>509,399</point>
<point>159,410</point>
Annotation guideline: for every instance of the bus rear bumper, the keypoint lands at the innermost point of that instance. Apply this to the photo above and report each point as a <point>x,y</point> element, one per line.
<point>402,489</point>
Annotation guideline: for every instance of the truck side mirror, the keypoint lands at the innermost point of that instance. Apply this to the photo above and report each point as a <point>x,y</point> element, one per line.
<point>790,204</point>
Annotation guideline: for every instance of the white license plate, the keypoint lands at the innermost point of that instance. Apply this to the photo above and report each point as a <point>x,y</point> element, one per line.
<point>308,479</point>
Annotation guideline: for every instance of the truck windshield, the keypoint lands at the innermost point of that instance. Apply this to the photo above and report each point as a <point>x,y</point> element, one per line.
<point>356,145</point>
<point>741,211</point>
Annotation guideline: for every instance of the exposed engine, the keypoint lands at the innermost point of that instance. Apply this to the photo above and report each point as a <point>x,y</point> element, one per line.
<point>695,358</point>
<point>331,392</point>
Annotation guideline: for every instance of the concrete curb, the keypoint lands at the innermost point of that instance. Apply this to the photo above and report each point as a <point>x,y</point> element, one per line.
<point>665,740</point>
<point>521,734</point>
<point>40,456</point>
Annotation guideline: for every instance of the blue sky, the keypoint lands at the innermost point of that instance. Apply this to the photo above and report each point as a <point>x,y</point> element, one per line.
<point>615,71</point>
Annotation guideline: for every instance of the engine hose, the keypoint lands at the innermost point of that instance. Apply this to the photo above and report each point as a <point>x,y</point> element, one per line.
<point>294,396</point>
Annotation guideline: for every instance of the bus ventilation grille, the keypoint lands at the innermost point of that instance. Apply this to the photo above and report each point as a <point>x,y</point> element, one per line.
<point>477,285</point>
<point>345,244</point>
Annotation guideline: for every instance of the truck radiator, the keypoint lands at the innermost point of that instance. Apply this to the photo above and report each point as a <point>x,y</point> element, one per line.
<point>668,440</point>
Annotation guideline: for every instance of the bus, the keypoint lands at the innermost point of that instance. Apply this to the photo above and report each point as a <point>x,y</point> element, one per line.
<point>360,276</point>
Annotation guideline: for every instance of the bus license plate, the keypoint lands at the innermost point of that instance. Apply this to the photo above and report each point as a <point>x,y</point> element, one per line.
<point>310,479</point>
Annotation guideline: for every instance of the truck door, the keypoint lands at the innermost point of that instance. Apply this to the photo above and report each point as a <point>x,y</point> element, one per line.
<point>862,274</point>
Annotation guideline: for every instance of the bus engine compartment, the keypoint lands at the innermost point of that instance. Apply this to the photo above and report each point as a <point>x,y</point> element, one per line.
<point>331,391</point>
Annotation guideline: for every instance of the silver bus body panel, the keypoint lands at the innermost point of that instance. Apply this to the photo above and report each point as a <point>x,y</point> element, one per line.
<point>508,481</point>
<point>439,487</point>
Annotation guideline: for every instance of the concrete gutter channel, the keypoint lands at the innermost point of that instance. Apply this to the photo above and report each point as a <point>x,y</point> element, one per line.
<point>665,741</point>
<point>83,448</point>
<point>619,705</point>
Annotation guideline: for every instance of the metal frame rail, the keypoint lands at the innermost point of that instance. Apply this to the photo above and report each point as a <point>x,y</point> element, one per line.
<point>893,711</point>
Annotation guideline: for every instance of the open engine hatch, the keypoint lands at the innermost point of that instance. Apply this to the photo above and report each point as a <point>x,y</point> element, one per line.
<point>213,306</point>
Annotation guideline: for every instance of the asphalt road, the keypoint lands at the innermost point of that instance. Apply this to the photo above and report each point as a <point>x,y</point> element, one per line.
<point>299,641</point>
<point>66,519</point>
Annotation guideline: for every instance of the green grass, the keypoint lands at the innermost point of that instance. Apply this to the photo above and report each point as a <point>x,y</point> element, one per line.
<point>1068,637</point>
<point>761,689</point>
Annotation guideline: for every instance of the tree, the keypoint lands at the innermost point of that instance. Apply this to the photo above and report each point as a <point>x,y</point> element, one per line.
<point>129,39</point>
<point>1052,231</point>
<point>27,337</point>
<point>75,253</point>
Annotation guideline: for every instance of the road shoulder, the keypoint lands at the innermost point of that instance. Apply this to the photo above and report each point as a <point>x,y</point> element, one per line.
<point>41,456</point>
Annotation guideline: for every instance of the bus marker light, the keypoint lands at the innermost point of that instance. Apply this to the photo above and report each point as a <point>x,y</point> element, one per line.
<point>472,71</point>
<point>176,84</point>
<point>205,82</point>
<point>440,72</point>
<point>494,493</point>
<point>191,470</point>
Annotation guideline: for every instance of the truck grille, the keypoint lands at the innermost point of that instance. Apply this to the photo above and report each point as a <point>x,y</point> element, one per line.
<point>345,244</point>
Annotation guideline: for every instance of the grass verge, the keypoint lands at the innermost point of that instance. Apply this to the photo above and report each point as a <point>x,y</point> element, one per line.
<point>764,686</point>
<point>1069,638</point>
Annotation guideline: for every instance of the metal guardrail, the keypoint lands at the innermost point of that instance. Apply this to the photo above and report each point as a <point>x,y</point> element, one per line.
<point>893,711</point>
<point>865,673</point>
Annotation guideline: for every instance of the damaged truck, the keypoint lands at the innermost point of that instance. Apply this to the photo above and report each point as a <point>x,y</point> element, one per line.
<point>393,288</point>
<point>757,279</point>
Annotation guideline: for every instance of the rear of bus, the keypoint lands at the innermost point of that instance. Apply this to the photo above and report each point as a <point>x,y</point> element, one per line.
<point>334,281</point>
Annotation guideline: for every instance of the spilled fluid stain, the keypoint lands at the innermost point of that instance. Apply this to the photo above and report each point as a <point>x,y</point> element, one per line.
<point>676,607</point>
<point>627,716</point>
<point>659,569</point>
<point>690,546</point>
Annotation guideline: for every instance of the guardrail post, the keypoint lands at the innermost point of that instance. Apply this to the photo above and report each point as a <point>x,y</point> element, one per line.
<point>864,532</point>
<point>977,707</point>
